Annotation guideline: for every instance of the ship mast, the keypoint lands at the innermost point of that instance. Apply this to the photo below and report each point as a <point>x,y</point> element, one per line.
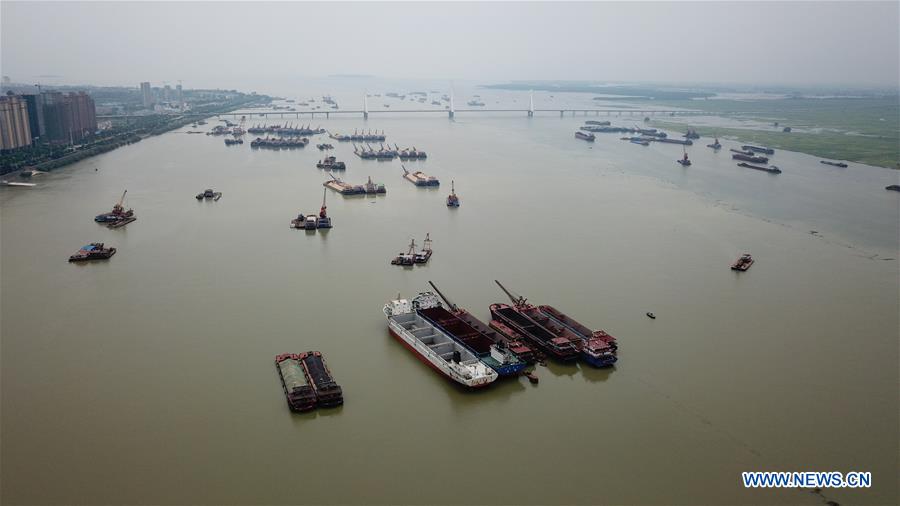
<point>516,300</point>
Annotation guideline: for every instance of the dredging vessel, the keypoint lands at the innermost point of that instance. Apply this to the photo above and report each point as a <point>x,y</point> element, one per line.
<point>433,346</point>
<point>517,346</point>
<point>419,178</point>
<point>328,393</point>
<point>422,257</point>
<point>118,217</point>
<point>299,395</point>
<point>551,329</point>
<point>452,199</point>
<point>92,251</point>
<point>311,221</point>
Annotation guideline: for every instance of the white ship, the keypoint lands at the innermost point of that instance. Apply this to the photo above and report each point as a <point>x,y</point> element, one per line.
<point>432,346</point>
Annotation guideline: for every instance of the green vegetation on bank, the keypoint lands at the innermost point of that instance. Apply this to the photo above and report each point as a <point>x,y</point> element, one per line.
<point>864,130</point>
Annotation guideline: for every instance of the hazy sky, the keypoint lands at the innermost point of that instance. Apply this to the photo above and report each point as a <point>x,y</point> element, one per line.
<point>217,43</point>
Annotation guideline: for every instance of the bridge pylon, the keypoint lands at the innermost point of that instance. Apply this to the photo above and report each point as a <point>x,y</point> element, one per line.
<point>531,104</point>
<point>452,111</point>
<point>366,105</point>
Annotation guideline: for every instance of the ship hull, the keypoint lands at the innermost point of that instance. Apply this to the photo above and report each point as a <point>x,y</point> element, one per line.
<point>425,360</point>
<point>599,361</point>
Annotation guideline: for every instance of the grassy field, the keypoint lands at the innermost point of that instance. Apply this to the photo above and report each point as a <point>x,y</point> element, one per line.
<point>864,130</point>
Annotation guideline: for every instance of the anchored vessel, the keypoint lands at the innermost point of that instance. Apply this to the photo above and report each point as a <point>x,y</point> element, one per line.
<point>300,396</point>
<point>209,194</point>
<point>419,178</point>
<point>410,154</point>
<point>452,199</point>
<point>715,145</point>
<point>92,251</point>
<point>328,392</point>
<point>743,263</point>
<point>585,137</point>
<point>836,164</point>
<point>772,170</point>
<point>496,357</point>
<point>749,158</point>
<point>311,221</point>
<point>118,217</point>
<point>433,346</point>
<point>502,341</point>
<point>331,163</point>
<point>360,136</point>
<point>685,161</point>
<point>759,149</point>
<point>232,142</point>
<point>323,147</point>
<point>558,334</point>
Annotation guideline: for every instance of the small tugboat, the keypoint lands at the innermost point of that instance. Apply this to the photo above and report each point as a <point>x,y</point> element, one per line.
<point>331,163</point>
<point>452,199</point>
<point>585,137</point>
<point>92,251</point>
<point>328,392</point>
<point>771,170</point>
<point>433,346</point>
<point>835,164</point>
<point>419,178</point>
<point>300,396</point>
<point>685,162</point>
<point>118,217</point>
<point>743,263</point>
<point>421,257</point>
<point>715,145</point>
<point>408,258</point>
<point>209,194</point>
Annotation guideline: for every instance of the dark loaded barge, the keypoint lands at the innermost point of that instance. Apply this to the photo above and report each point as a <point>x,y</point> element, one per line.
<point>561,336</point>
<point>771,170</point>
<point>750,158</point>
<point>328,392</point>
<point>300,396</point>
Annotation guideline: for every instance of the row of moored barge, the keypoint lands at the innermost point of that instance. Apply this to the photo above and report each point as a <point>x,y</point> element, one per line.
<point>307,381</point>
<point>279,143</point>
<point>360,136</point>
<point>286,129</point>
<point>369,153</point>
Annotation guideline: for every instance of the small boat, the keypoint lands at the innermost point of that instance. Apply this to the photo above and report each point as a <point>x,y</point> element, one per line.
<point>209,194</point>
<point>92,251</point>
<point>452,199</point>
<point>532,377</point>
<point>835,164</point>
<point>743,263</point>
<point>651,316</point>
<point>685,162</point>
<point>893,187</point>
<point>323,147</point>
<point>585,137</point>
<point>715,145</point>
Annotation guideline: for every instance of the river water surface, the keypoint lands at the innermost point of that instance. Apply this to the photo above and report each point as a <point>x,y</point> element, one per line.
<point>149,378</point>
